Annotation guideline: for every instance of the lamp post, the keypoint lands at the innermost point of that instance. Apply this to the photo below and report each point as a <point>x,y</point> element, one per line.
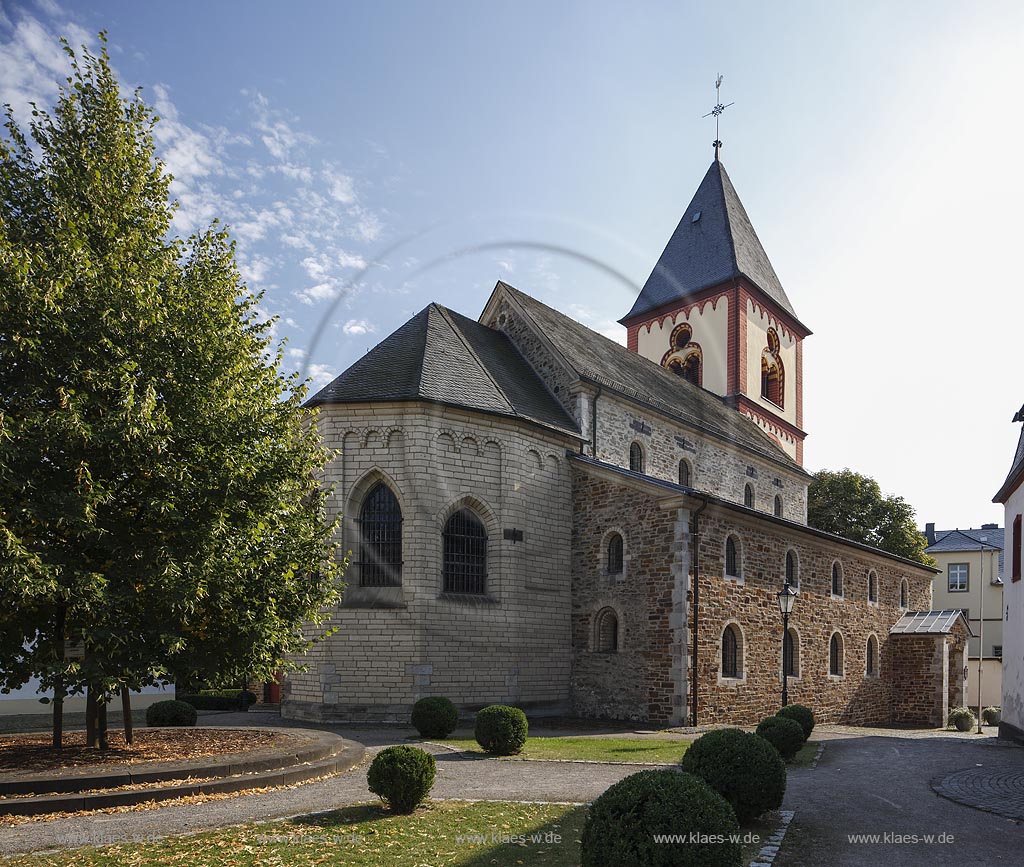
<point>786,596</point>
<point>981,626</point>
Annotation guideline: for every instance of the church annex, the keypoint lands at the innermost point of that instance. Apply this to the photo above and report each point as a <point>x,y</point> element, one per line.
<point>540,516</point>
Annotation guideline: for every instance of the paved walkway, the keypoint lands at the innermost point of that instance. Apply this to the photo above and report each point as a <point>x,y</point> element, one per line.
<point>878,785</point>
<point>994,790</point>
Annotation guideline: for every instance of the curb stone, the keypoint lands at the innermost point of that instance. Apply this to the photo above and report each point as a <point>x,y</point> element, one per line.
<point>766,857</point>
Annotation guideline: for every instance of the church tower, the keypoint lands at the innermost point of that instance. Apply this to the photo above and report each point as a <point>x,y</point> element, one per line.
<point>714,312</point>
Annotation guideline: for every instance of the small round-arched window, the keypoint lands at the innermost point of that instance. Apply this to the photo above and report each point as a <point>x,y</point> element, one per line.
<point>684,473</point>
<point>778,506</point>
<point>904,594</point>
<point>872,586</point>
<point>871,664</point>
<point>732,652</point>
<point>636,457</point>
<point>607,631</point>
<point>748,496</point>
<point>613,554</point>
<point>835,655</point>
<point>837,579</point>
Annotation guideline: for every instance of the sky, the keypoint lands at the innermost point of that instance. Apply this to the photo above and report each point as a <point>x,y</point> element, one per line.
<point>370,158</point>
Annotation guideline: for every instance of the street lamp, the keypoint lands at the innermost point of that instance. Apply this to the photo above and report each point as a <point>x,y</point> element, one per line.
<point>787,596</point>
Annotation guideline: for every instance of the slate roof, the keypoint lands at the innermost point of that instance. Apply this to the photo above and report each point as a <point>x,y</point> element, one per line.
<point>713,242</point>
<point>1012,478</point>
<point>954,541</point>
<point>598,359</point>
<point>444,357</point>
<point>929,622</point>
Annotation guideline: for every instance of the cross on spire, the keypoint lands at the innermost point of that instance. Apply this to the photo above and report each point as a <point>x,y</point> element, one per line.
<point>716,113</point>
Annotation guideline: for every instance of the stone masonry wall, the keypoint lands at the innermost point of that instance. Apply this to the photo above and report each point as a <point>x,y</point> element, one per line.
<point>920,678</point>
<point>396,645</point>
<point>636,683</point>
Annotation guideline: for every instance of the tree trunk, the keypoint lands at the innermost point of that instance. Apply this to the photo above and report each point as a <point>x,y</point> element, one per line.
<point>101,727</point>
<point>58,687</point>
<point>90,716</point>
<point>126,710</point>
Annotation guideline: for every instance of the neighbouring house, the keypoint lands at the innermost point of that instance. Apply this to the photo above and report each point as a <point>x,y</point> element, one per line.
<point>540,516</point>
<point>1011,496</point>
<point>970,578</point>
<point>26,700</point>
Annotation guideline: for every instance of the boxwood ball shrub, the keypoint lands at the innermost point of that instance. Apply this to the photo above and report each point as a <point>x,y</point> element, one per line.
<point>621,824</point>
<point>501,730</point>
<point>170,713</point>
<point>742,767</point>
<point>402,777</point>
<point>803,715</point>
<point>962,719</point>
<point>434,717</point>
<point>783,733</point>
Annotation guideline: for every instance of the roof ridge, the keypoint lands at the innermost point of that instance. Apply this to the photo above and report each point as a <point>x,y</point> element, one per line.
<point>444,311</point>
<point>731,234</point>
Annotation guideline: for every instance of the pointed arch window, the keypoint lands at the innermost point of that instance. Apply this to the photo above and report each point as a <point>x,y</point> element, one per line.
<point>636,457</point>
<point>748,496</point>
<point>465,553</point>
<point>380,539</point>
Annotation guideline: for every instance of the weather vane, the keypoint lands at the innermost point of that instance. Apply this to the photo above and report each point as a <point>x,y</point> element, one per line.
<point>716,112</point>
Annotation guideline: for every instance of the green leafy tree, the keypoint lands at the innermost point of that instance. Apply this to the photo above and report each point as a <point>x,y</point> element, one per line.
<point>158,474</point>
<point>853,506</point>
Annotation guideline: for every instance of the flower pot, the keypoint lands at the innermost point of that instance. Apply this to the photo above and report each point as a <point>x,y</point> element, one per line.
<point>991,717</point>
<point>964,724</point>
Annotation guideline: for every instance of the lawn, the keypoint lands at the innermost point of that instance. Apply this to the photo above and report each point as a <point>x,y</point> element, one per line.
<point>639,750</point>
<point>805,757</point>
<point>442,834</point>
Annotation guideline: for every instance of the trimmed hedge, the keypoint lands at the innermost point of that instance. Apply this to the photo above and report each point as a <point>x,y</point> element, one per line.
<point>783,733</point>
<point>501,730</point>
<point>402,777</point>
<point>621,824</point>
<point>434,717</point>
<point>221,699</point>
<point>803,715</point>
<point>743,768</point>
<point>170,713</point>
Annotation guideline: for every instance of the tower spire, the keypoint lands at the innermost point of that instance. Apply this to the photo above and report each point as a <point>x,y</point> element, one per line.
<point>716,112</point>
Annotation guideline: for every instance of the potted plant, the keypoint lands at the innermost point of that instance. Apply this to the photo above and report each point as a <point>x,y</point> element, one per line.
<point>961,719</point>
<point>991,716</point>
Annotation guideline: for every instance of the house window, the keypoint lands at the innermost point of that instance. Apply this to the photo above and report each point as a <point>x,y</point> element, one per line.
<point>684,474</point>
<point>997,651</point>
<point>465,553</point>
<point>732,652</point>
<point>791,654</point>
<point>959,573</point>
<point>733,567</point>
<point>636,457</point>
<point>614,554</point>
<point>904,593</point>
<point>778,506</point>
<point>792,573</point>
<point>835,655</point>
<point>380,539</point>
<point>748,496</point>
<point>1017,542</point>
<point>871,667</point>
<point>872,587</point>
<point>607,631</point>
<point>837,579</point>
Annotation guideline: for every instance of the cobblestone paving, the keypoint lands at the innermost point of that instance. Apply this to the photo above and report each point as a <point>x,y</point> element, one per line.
<point>999,792</point>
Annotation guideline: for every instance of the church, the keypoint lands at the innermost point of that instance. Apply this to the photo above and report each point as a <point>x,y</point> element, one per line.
<point>537,515</point>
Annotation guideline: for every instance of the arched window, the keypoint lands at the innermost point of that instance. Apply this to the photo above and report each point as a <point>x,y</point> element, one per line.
<point>904,594</point>
<point>778,506</point>
<point>684,473</point>
<point>871,666</point>
<point>733,565</point>
<point>837,579</point>
<point>607,631</point>
<point>791,653</point>
<point>872,586</point>
<point>732,652</point>
<point>636,457</point>
<point>465,553</point>
<point>748,496</point>
<point>614,554</point>
<point>380,539</point>
<point>792,570</point>
<point>835,655</point>
<point>684,357</point>
<point>773,374</point>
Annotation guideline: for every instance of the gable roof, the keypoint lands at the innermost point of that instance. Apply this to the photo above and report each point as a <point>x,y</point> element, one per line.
<point>600,360</point>
<point>1016,474</point>
<point>930,622</point>
<point>444,357</point>
<point>955,541</point>
<point>714,242</point>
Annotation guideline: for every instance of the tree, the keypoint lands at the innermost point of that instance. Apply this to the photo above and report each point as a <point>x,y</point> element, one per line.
<point>853,506</point>
<point>158,473</point>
